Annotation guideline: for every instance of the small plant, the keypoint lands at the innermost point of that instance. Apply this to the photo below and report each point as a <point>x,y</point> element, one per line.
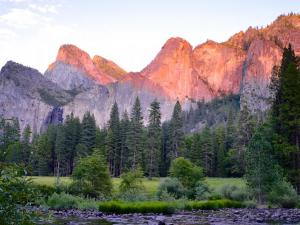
<point>202,191</point>
<point>171,186</point>
<point>67,201</point>
<point>131,181</point>
<point>214,204</point>
<point>137,207</point>
<point>234,192</point>
<point>283,194</point>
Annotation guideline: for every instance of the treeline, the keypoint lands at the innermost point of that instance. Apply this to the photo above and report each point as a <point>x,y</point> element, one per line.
<point>127,144</point>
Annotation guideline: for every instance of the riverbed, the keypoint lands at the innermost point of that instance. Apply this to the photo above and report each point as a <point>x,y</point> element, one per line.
<point>201,217</point>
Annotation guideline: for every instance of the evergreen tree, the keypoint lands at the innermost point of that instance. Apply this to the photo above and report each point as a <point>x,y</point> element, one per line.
<point>113,141</point>
<point>124,132</point>
<point>72,130</point>
<point>165,160</point>
<point>26,145</point>
<point>262,171</point>
<point>220,151</point>
<point>61,156</point>
<point>88,132</point>
<point>245,130</point>
<point>286,116</point>
<point>153,140</point>
<point>206,152</point>
<point>176,129</point>
<point>135,136</point>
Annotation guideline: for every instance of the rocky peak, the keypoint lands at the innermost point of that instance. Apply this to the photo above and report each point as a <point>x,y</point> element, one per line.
<point>74,56</point>
<point>108,67</point>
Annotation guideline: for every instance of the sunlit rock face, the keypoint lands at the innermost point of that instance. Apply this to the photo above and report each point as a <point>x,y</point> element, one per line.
<point>108,67</point>
<point>220,66</point>
<point>75,59</point>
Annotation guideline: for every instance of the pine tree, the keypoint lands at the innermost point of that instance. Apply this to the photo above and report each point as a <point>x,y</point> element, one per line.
<point>153,140</point>
<point>26,145</point>
<point>114,142</point>
<point>61,156</point>
<point>262,171</point>
<point>176,129</point>
<point>124,132</point>
<point>135,137</point>
<point>220,151</point>
<point>88,132</point>
<point>165,159</point>
<point>72,132</point>
<point>286,116</point>
<point>206,152</point>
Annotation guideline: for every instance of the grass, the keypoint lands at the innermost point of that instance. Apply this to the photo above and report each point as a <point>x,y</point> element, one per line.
<point>165,207</point>
<point>150,185</point>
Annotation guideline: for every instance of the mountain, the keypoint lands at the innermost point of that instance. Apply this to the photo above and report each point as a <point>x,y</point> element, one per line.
<point>28,95</point>
<point>241,65</point>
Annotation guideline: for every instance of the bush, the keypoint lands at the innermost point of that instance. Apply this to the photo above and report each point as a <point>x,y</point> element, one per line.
<point>131,181</point>
<point>132,196</point>
<point>171,186</point>
<point>202,191</point>
<point>16,193</point>
<point>214,204</point>
<point>91,177</point>
<point>283,194</point>
<point>44,190</point>
<point>186,172</point>
<point>234,193</point>
<point>137,207</point>
<point>67,201</point>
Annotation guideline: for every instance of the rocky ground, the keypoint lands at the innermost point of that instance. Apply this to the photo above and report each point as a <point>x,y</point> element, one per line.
<point>207,217</point>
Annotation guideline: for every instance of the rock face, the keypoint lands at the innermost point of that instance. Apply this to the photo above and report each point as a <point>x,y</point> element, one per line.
<point>28,95</point>
<point>242,65</point>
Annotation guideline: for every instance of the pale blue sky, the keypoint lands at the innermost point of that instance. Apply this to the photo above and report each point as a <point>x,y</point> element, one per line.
<point>129,32</point>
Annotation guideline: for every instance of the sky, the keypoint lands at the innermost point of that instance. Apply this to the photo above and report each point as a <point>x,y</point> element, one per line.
<point>128,32</point>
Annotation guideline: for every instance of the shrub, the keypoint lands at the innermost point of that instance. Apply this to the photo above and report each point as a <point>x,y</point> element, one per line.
<point>234,193</point>
<point>171,186</point>
<point>214,204</point>
<point>132,196</point>
<point>131,181</point>
<point>137,207</point>
<point>91,177</point>
<point>283,194</point>
<point>67,201</point>
<point>16,193</point>
<point>186,172</point>
<point>202,191</point>
<point>44,190</point>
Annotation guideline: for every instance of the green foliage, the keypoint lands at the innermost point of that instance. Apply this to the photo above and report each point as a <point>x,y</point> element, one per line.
<point>135,138</point>
<point>131,181</point>
<point>176,132</point>
<point>233,192</point>
<point>153,151</point>
<point>202,191</point>
<point>187,173</point>
<point>91,176</point>
<point>88,132</point>
<point>171,187</point>
<point>285,115</point>
<point>136,207</point>
<point>283,194</point>
<point>213,205</point>
<point>262,171</point>
<point>66,201</point>
<point>15,195</point>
